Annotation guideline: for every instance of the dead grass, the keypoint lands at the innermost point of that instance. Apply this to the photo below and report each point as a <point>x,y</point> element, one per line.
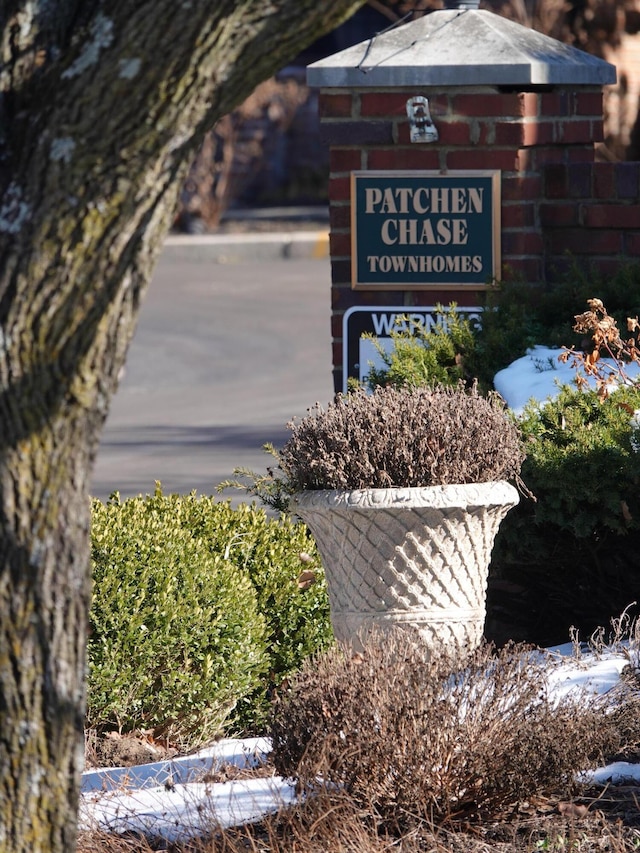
<point>332,823</point>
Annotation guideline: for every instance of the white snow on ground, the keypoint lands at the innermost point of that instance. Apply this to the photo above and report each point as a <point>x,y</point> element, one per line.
<point>169,799</point>
<point>539,374</point>
<point>173,799</point>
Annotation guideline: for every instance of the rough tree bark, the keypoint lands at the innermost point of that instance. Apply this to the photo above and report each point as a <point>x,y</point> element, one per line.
<point>102,105</point>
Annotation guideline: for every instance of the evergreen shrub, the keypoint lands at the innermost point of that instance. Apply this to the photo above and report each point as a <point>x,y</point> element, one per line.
<point>516,316</point>
<point>573,550</point>
<point>421,357</point>
<point>280,559</point>
<point>198,610</point>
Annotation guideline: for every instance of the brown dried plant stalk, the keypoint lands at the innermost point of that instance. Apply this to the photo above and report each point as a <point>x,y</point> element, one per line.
<point>423,739</point>
<point>607,343</point>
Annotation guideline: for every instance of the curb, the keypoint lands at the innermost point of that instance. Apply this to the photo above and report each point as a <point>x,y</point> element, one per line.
<point>235,248</point>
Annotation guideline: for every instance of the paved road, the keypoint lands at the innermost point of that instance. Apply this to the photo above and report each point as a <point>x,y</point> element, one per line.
<point>224,355</point>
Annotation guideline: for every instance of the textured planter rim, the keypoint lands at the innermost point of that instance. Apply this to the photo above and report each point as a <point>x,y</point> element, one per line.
<point>462,495</point>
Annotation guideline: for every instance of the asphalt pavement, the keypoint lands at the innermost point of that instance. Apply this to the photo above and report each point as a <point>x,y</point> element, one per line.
<point>233,340</point>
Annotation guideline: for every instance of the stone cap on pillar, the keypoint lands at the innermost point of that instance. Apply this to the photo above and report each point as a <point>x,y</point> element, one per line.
<point>470,47</point>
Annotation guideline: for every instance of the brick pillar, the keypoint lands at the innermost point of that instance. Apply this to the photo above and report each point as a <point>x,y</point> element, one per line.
<point>503,98</point>
<point>517,133</point>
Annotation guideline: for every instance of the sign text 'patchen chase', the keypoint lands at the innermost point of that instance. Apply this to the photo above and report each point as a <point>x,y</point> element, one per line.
<point>422,230</point>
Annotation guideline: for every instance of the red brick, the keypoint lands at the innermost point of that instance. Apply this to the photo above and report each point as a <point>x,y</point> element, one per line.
<point>539,132</point>
<point>530,269</point>
<point>530,103</point>
<point>341,294</point>
<point>350,133</point>
<point>517,215</point>
<point>578,241</point>
<point>454,133</point>
<point>336,350</point>
<point>559,215</point>
<point>603,180</point>
<point>334,106</point>
<point>589,104</point>
<point>611,215</point>
<point>547,155</point>
<point>521,243</point>
<point>339,216</point>
<point>383,104</point>
<point>579,175</point>
<point>340,189</point>
<point>570,132</point>
<point>632,244</point>
<point>340,274</point>
<point>340,245</point>
<point>597,130</point>
<point>606,266</point>
<point>492,158</point>
<point>517,188</point>
<point>509,133</point>
<point>556,181</point>
<point>524,160</point>
<point>627,175</point>
<point>336,324</point>
<point>345,159</point>
<point>417,157</point>
<point>343,298</point>
<point>580,154</point>
<point>421,298</point>
<point>560,104</point>
<point>499,105</point>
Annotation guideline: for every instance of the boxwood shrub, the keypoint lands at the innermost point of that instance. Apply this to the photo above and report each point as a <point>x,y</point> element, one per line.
<point>198,611</point>
<point>280,559</point>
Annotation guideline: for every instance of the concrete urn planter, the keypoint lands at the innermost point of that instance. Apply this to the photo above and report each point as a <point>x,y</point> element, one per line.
<point>414,557</point>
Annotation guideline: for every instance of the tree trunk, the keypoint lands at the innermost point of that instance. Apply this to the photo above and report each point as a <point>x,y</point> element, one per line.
<point>101,110</point>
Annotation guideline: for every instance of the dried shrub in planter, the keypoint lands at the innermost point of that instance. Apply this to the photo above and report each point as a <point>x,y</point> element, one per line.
<point>403,438</point>
<point>425,740</point>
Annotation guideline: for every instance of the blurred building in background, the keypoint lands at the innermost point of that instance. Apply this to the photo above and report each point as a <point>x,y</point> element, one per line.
<point>268,152</point>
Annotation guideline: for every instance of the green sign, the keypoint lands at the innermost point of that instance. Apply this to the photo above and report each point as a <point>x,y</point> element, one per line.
<point>420,230</point>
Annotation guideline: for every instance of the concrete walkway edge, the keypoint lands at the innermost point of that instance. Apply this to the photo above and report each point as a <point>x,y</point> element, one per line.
<point>232,248</point>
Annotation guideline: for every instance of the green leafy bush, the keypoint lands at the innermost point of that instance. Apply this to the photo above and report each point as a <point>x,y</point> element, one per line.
<point>421,357</point>
<point>199,610</point>
<point>280,559</point>
<point>574,549</point>
<point>518,315</point>
<point>176,636</point>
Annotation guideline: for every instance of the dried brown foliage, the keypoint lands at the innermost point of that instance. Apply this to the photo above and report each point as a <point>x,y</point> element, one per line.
<point>402,438</point>
<point>605,342</point>
<point>420,742</point>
